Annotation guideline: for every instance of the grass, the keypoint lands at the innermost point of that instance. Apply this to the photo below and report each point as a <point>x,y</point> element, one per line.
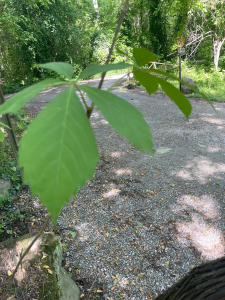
<point>210,83</point>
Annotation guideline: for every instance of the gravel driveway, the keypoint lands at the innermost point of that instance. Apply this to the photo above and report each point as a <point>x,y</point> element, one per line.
<point>143,222</point>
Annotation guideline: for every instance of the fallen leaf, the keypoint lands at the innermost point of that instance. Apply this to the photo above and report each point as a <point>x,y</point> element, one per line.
<point>46,267</point>
<point>99,291</point>
<point>49,271</point>
<point>82,295</point>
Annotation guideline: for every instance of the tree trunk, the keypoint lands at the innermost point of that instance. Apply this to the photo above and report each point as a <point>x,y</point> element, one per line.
<point>206,282</point>
<point>95,4</point>
<point>217,45</point>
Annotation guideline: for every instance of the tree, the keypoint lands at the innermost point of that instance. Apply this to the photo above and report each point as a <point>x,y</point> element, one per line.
<point>59,152</point>
<point>207,18</point>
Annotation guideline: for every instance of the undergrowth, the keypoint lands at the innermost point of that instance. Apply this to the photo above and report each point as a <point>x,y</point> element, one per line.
<point>10,171</point>
<point>210,83</point>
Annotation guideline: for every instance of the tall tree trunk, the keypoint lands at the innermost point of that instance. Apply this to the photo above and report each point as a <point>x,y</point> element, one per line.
<point>217,45</point>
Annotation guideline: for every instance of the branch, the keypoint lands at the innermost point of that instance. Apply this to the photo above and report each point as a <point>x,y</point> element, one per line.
<point>120,21</point>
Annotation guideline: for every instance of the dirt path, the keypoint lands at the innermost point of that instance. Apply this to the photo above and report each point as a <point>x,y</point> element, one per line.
<point>144,221</point>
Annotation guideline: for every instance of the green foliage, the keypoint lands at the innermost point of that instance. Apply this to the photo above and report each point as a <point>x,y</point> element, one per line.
<point>147,80</point>
<point>9,170</point>
<point>158,29</point>
<point>211,84</point>
<point>1,136</point>
<point>94,69</point>
<point>20,121</point>
<point>61,68</point>
<point>143,57</point>
<point>8,216</point>
<point>16,102</point>
<point>58,153</point>
<point>179,99</point>
<point>121,115</point>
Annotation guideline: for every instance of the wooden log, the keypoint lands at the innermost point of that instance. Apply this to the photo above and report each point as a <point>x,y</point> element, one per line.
<point>205,282</point>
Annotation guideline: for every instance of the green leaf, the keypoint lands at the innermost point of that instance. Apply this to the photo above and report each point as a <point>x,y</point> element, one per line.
<point>1,136</point>
<point>124,117</point>
<point>60,67</point>
<point>177,97</point>
<point>115,83</point>
<point>94,69</point>
<point>139,224</point>
<point>181,81</point>
<point>16,102</point>
<point>119,51</point>
<point>143,56</point>
<point>147,80</point>
<point>58,152</point>
<point>73,234</point>
<point>2,124</point>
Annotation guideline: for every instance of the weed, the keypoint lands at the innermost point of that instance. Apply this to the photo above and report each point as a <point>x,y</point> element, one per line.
<point>9,217</point>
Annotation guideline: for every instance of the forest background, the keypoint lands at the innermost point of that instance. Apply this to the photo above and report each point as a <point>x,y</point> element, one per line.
<point>80,33</point>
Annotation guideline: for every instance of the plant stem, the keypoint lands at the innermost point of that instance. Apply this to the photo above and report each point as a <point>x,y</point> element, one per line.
<point>29,247</point>
<point>120,21</point>
<point>77,87</point>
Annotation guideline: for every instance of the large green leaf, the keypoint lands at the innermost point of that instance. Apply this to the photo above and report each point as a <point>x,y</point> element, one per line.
<point>94,69</point>
<point>147,80</point>
<point>59,151</point>
<point>16,102</point>
<point>60,67</point>
<point>143,56</point>
<point>1,136</point>
<point>178,98</point>
<point>181,81</point>
<point>124,117</point>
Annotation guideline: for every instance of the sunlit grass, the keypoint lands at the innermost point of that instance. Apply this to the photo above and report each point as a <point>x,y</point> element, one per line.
<point>210,83</point>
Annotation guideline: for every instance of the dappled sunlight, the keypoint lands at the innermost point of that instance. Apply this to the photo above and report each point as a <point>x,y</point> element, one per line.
<point>211,149</point>
<point>214,121</point>
<point>104,122</point>
<point>207,239</point>
<point>201,169</point>
<point>95,114</point>
<point>123,172</point>
<point>205,205</point>
<point>36,203</point>
<point>87,231</point>
<point>10,257</point>
<point>111,193</point>
<point>116,154</point>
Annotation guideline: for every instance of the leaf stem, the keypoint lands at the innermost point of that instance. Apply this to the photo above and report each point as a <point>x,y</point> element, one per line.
<point>85,103</point>
<point>120,21</point>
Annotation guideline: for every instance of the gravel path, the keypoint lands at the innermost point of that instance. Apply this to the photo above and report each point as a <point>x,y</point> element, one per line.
<point>143,222</point>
